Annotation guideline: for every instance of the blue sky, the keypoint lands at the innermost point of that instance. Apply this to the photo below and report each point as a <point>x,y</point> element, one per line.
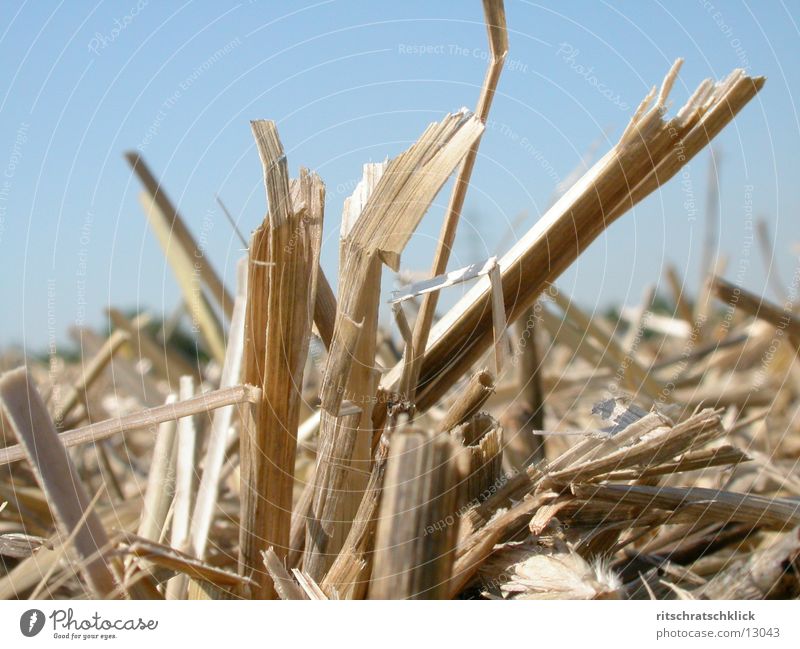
<point>350,82</point>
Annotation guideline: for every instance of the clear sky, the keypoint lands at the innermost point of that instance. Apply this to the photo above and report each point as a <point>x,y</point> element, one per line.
<point>350,82</point>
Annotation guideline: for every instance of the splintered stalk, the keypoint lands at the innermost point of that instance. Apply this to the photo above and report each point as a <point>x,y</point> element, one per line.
<point>417,523</point>
<point>495,17</point>
<point>379,220</point>
<point>650,152</point>
<point>283,259</point>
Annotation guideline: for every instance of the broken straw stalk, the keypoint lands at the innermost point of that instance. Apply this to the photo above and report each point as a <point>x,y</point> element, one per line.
<point>650,152</point>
